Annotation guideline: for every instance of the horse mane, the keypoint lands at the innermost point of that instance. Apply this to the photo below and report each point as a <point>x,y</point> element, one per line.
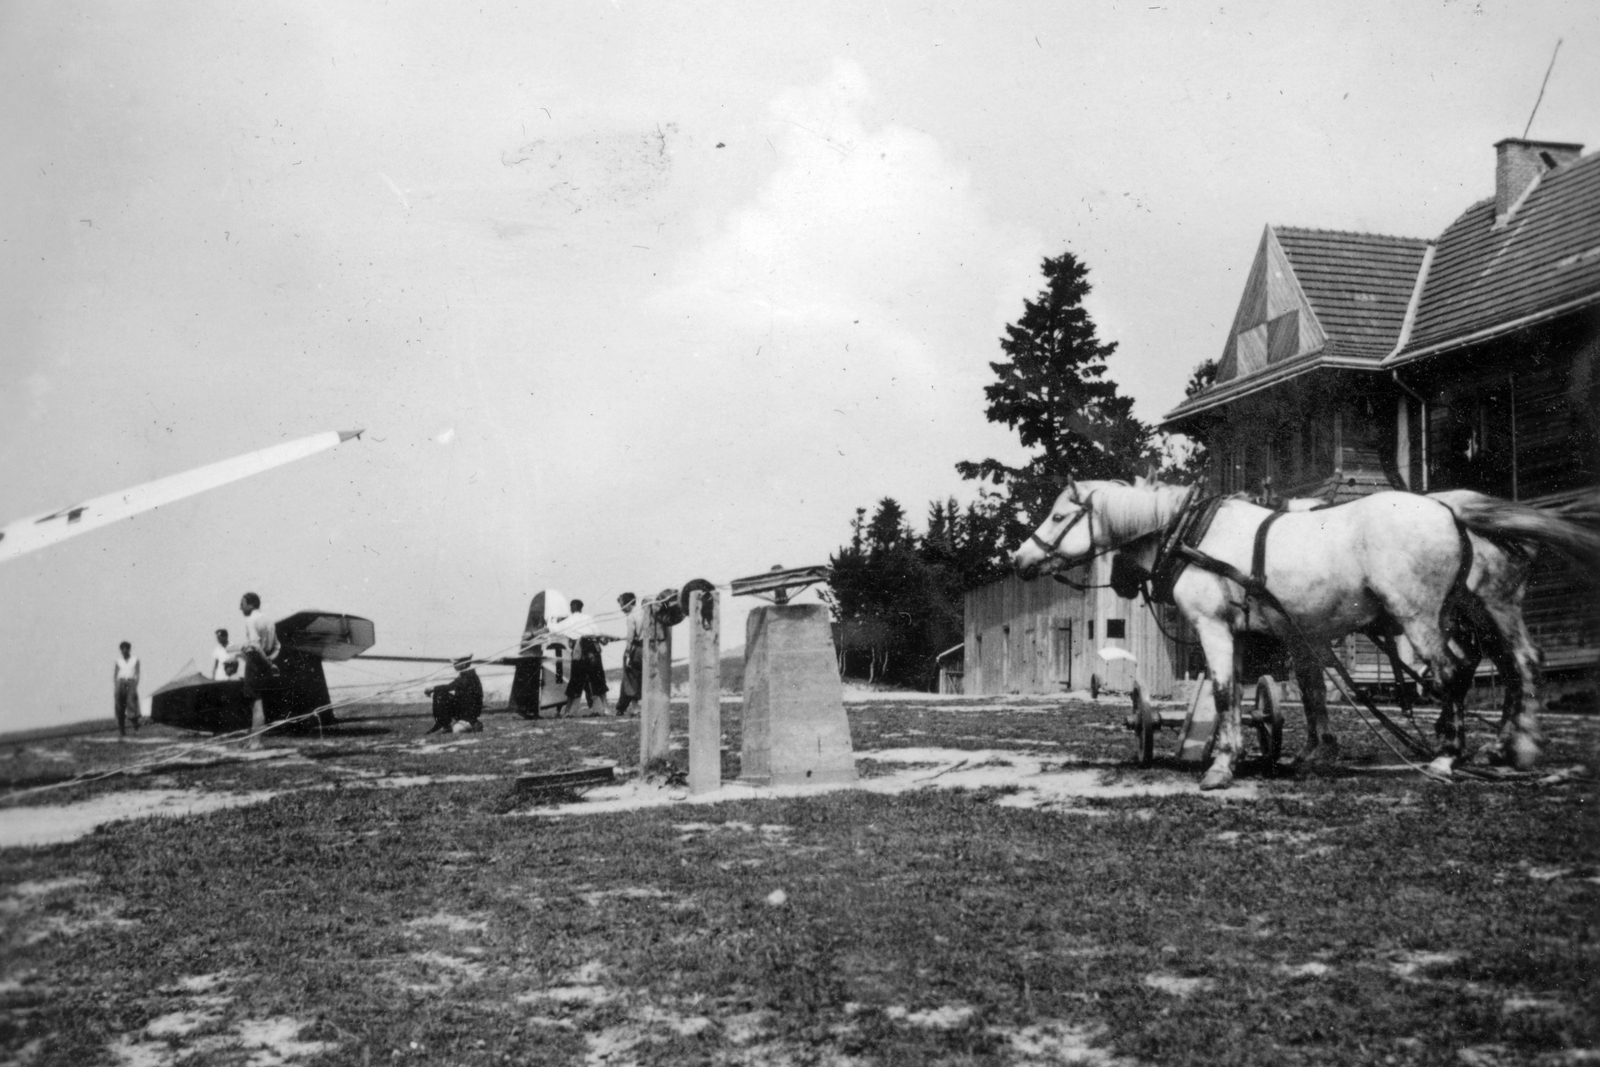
<point>1128,512</point>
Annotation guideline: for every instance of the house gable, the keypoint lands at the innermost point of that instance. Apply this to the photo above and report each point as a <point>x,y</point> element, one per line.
<point>1274,322</point>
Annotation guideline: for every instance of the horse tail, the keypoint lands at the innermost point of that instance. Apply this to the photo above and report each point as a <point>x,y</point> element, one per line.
<point>1572,530</point>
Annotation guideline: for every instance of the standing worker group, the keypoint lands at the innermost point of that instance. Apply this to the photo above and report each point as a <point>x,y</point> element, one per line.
<point>125,688</point>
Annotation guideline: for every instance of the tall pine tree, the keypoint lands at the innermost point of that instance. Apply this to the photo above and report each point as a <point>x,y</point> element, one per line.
<point>1054,392</point>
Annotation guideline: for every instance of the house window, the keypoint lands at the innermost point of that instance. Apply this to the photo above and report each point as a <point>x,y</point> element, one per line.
<point>1091,629</point>
<point>1473,440</point>
<point>1116,629</point>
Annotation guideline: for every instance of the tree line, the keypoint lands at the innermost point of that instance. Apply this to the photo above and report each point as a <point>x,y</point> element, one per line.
<point>897,594</point>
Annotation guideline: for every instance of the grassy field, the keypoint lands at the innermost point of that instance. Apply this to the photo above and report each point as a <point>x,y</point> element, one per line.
<point>394,901</point>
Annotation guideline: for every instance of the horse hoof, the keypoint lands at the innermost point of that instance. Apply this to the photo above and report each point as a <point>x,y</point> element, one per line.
<point>1441,769</point>
<point>1217,778</point>
<point>1326,752</point>
<point>1524,752</point>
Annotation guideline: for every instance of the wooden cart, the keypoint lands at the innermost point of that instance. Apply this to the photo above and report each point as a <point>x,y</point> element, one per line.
<point>1259,662</point>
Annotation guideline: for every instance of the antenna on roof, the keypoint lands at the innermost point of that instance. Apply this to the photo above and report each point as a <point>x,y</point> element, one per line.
<point>1542,84</point>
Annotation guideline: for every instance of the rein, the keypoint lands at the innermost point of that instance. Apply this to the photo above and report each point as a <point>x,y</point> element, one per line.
<point>1053,548</point>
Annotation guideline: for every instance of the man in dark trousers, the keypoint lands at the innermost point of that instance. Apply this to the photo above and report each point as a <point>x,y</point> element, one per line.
<point>633,652</point>
<point>588,679</point>
<point>259,654</point>
<point>461,701</point>
<point>125,688</point>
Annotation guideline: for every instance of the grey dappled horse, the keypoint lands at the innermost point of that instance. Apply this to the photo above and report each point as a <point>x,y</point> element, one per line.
<point>1388,563</point>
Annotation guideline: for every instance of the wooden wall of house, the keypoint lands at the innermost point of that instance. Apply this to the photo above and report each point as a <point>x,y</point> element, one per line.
<point>1511,418</point>
<point>1326,441</point>
<point>1043,637</point>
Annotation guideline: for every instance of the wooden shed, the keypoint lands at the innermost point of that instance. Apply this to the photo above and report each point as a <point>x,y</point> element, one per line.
<point>1045,637</point>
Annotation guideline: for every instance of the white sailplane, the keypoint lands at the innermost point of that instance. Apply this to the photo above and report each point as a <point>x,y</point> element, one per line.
<point>41,531</point>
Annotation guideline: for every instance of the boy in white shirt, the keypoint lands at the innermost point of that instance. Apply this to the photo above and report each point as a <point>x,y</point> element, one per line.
<point>224,664</point>
<point>125,688</point>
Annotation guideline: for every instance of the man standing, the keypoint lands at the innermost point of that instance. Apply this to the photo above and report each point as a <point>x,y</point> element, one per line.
<point>224,664</point>
<point>258,651</point>
<point>588,677</point>
<point>125,688</point>
<point>460,702</point>
<point>632,653</point>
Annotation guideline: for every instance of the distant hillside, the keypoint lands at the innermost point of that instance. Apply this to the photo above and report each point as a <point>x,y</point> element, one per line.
<point>732,673</point>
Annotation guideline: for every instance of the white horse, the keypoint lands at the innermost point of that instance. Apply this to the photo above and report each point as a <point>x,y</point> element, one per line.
<point>1389,563</point>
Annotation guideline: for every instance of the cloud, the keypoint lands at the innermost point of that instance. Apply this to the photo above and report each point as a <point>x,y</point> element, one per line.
<point>867,279</point>
<point>855,225</point>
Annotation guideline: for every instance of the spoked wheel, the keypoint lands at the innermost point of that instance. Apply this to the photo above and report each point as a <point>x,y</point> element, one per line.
<point>1269,718</point>
<point>1146,724</point>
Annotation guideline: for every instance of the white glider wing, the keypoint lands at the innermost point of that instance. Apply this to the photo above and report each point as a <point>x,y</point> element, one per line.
<point>41,531</point>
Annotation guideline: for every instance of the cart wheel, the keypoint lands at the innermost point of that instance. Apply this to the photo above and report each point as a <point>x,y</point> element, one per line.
<point>1146,725</point>
<point>1269,718</point>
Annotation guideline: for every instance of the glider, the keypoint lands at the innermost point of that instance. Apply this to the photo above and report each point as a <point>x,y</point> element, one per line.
<point>192,701</point>
<point>41,531</point>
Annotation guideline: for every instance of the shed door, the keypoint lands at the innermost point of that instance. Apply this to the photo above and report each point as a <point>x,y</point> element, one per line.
<point>1061,651</point>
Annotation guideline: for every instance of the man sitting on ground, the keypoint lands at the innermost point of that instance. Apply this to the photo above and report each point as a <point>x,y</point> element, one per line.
<point>458,706</point>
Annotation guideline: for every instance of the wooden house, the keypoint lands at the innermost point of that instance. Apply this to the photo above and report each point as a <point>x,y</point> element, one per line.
<point>1498,364</point>
<point>1358,362</point>
<point>1301,405</point>
<point>1046,637</point>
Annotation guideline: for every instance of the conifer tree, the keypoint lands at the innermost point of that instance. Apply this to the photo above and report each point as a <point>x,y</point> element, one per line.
<point>1053,391</point>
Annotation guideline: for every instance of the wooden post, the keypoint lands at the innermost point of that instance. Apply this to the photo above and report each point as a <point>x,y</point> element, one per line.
<point>656,699</point>
<point>705,691</point>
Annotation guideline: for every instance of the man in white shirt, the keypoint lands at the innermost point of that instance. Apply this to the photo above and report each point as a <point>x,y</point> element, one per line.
<point>125,688</point>
<point>258,650</point>
<point>588,679</point>
<point>224,664</point>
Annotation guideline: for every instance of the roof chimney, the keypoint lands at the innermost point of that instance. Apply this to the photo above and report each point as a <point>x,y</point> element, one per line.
<point>1519,162</point>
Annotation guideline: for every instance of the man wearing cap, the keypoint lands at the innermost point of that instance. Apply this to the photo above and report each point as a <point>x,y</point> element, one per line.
<point>632,653</point>
<point>259,653</point>
<point>125,688</point>
<point>460,703</point>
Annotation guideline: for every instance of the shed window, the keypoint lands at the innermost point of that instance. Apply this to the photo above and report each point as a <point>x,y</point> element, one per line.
<point>1116,629</point>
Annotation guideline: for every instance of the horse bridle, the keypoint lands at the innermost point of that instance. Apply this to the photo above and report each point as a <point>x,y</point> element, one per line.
<point>1053,548</point>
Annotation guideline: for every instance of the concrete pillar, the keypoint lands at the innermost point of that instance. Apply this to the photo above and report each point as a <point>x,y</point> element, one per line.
<point>656,697</point>
<point>795,730</point>
<point>705,691</point>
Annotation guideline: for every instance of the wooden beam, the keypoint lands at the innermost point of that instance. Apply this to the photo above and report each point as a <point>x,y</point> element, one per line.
<point>705,691</point>
<point>656,699</point>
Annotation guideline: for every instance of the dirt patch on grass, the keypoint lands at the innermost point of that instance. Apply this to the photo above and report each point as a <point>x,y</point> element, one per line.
<point>29,827</point>
<point>455,924</point>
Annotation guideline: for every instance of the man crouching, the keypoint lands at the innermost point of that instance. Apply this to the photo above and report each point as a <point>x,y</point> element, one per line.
<point>459,705</point>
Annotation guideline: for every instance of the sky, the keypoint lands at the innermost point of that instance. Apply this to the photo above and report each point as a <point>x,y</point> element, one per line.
<point>626,294</point>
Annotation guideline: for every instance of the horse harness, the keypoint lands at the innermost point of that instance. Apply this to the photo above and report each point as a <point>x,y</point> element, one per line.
<point>1181,547</point>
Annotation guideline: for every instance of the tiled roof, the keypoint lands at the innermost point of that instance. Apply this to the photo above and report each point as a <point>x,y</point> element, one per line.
<point>1358,284</point>
<point>1545,258</point>
<point>1342,304</point>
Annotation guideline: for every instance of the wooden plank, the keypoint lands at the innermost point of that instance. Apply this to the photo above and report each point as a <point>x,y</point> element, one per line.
<point>564,781</point>
<point>772,581</point>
